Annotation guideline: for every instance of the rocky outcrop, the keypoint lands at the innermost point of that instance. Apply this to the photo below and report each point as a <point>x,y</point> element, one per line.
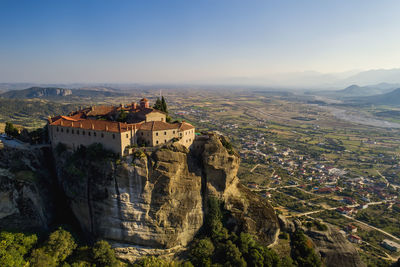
<point>24,194</point>
<point>155,202</point>
<point>334,248</point>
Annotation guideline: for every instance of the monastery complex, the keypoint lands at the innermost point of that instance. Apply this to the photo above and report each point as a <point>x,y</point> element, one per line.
<point>118,128</point>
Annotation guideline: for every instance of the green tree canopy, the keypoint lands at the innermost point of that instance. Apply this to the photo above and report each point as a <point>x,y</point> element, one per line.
<point>201,252</point>
<point>104,255</point>
<point>13,248</point>
<point>11,130</point>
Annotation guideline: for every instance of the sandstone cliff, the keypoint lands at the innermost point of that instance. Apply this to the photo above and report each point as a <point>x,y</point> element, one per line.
<point>154,202</point>
<point>334,248</point>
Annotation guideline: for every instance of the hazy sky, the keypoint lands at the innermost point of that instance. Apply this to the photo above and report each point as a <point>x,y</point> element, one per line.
<point>192,40</point>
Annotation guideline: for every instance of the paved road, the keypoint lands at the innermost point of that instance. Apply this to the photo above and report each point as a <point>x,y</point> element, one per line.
<point>384,178</point>
<point>14,143</point>
<point>254,167</point>
<point>373,227</point>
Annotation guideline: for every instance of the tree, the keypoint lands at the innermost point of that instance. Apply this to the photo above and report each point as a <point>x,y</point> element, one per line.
<point>158,104</point>
<point>13,248</point>
<point>39,257</point>
<point>10,129</point>
<point>122,116</point>
<point>164,105</point>
<point>231,255</point>
<point>60,245</point>
<point>103,254</point>
<point>213,222</point>
<point>303,252</point>
<point>201,252</point>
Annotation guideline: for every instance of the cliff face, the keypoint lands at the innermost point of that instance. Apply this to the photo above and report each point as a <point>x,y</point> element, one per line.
<point>334,248</point>
<point>24,191</point>
<point>155,201</point>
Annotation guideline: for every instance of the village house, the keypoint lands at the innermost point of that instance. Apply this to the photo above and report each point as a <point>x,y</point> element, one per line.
<point>351,228</point>
<point>355,239</point>
<point>118,128</point>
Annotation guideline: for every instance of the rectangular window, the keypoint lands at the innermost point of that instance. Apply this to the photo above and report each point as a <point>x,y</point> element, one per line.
<point>62,130</point>
<point>102,135</point>
<point>156,134</point>
<point>67,130</point>
<point>57,129</point>
<point>165,133</point>
<point>113,136</point>
<point>77,131</point>
<point>72,131</point>
<point>127,135</point>
<point>83,132</point>
<point>94,133</point>
<point>89,133</point>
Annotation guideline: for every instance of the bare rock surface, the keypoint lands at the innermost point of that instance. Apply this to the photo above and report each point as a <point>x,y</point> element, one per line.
<point>154,203</point>
<point>24,195</point>
<point>334,248</point>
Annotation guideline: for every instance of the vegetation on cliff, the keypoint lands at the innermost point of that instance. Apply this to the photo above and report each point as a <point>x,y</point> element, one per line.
<point>303,252</point>
<point>59,249</point>
<point>216,245</point>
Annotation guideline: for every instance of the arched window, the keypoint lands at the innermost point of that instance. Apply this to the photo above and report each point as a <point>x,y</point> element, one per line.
<point>94,133</point>
<point>57,129</point>
<point>157,142</point>
<point>165,133</point>
<point>89,133</point>
<point>113,136</point>
<point>102,135</point>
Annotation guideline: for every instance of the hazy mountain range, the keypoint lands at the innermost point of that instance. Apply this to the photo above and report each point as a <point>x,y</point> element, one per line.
<point>59,93</point>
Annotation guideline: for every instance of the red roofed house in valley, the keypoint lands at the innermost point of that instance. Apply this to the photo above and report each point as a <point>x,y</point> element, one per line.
<point>101,124</point>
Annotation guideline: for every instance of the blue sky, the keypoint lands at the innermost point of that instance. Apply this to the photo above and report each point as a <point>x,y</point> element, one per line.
<point>185,40</point>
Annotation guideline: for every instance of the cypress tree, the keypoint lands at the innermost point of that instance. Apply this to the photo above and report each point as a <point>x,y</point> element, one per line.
<point>164,105</point>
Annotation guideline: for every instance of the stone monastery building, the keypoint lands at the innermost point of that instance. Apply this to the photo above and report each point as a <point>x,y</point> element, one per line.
<point>141,125</point>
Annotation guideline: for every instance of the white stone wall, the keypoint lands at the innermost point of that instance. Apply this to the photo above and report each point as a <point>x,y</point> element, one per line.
<point>163,136</point>
<point>155,116</point>
<point>70,137</point>
<point>187,137</point>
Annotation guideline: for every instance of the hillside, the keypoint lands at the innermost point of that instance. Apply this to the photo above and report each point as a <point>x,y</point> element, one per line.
<point>391,98</point>
<point>57,93</point>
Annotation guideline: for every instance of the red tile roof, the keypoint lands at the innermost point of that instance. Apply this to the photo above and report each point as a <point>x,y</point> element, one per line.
<point>98,125</point>
<point>160,126</point>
